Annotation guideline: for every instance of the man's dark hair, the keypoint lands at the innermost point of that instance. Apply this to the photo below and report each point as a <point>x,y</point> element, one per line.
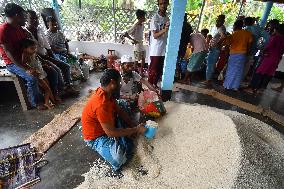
<point>12,9</point>
<point>249,21</point>
<point>108,75</point>
<point>25,43</point>
<point>31,13</point>
<point>239,24</point>
<point>205,31</point>
<point>165,0</point>
<point>50,19</point>
<point>222,16</point>
<point>280,29</point>
<point>140,13</point>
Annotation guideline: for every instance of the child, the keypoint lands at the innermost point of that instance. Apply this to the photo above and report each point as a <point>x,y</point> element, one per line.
<point>130,80</point>
<point>29,58</point>
<point>135,33</point>
<point>57,40</point>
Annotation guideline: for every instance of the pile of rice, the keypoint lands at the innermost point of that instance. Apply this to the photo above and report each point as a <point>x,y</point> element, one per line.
<point>194,147</point>
<point>151,123</point>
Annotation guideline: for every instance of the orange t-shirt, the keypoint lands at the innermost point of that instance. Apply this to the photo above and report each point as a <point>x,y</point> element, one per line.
<point>240,41</point>
<point>99,109</point>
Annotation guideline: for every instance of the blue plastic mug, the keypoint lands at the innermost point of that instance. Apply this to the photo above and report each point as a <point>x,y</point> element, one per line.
<point>150,132</point>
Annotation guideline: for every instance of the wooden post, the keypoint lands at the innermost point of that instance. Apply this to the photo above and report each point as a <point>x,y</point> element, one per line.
<point>201,14</point>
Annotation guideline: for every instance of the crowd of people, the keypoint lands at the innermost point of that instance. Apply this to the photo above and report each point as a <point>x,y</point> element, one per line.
<point>106,120</point>
<point>249,53</point>
<point>39,59</point>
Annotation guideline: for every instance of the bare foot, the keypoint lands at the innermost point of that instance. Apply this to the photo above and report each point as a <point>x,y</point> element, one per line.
<point>185,82</point>
<point>249,90</point>
<point>207,82</point>
<point>49,106</point>
<point>41,107</point>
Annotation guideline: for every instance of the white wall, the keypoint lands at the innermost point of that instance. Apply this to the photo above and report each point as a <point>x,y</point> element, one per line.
<point>97,49</point>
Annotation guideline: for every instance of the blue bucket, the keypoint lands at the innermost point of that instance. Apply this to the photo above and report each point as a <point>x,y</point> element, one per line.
<point>150,132</point>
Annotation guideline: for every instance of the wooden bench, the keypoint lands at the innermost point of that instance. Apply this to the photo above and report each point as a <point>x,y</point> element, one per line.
<point>5,75</point>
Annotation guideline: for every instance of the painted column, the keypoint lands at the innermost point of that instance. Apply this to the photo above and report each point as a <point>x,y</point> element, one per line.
<point>266,13</point>
<point>55,6</point>
<point>173,41</point>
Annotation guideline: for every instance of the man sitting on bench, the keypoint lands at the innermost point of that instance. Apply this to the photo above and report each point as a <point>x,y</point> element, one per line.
<point>11,33</point>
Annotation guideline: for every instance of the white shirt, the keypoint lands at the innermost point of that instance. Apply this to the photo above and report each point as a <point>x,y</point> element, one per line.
<point>136,31</point>
<point>217,36</point>
<point>126,88</point>
<point>198,42</point>
<point>158,46</point>
<point>56,39</point>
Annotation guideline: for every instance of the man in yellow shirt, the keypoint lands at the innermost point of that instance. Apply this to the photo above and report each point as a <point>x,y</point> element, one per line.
<point>240,46</point>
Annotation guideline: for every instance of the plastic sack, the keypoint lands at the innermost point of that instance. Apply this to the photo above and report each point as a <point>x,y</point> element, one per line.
<point>150,104</point>
<point>76,71</point>
<point>147,97</point>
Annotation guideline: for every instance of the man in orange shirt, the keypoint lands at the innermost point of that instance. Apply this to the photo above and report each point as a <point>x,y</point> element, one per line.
<point>105,125</point>
<point>240,46</point>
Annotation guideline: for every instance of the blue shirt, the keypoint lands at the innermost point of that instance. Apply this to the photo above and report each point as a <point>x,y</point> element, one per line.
<point>256,33</point>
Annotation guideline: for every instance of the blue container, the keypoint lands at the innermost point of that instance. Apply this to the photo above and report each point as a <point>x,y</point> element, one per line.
<point>150,132</point>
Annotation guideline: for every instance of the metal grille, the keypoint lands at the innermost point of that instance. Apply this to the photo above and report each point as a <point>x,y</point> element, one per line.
<point>97,23</point>
<point>90,23</point>
<point>36,5</point>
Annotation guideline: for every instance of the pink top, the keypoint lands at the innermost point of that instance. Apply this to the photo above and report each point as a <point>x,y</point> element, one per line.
<point>198,42</point>
<point>273,53</point>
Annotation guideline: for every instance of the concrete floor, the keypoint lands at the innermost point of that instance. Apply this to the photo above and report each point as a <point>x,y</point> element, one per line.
<point>69,158</point>
<point>23,124</point>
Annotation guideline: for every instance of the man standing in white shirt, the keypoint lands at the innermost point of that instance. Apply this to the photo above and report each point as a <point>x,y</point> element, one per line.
<point>135,33</point>
<point>214,48</point>
<point>159,27</point>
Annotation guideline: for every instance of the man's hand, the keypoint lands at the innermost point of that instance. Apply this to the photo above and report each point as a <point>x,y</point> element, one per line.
<point>141,129</point>
<point>168,24</point>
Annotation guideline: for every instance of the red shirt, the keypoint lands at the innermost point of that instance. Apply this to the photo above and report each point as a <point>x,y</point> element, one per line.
<point>12,36</point>
<point>99,109</point>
